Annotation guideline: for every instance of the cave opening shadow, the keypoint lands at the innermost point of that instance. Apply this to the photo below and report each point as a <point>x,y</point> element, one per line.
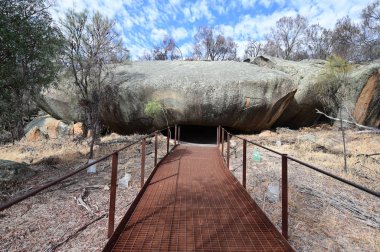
<point>196,134</point>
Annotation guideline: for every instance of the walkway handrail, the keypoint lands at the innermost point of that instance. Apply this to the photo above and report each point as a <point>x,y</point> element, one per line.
<point>56,181</point>
<point>320,170</point>
<point>284,172</point>
<point>114,164</point>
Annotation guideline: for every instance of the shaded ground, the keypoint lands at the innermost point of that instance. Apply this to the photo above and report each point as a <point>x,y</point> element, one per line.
<point>324,213</point>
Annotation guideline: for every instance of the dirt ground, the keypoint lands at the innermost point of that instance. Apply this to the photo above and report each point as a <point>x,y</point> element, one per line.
<point>324,214</point>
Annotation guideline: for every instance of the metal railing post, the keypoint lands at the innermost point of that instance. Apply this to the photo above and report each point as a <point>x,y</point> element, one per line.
<point>217,136</point>
<point>142,161</point>
<point>155,149</point>
<point>167,140</point>
<point>179,134</point>
<point>244,163</point>
<point>228,150</point>
<point>222,142</point>
<point>175,134</point>
<point>285,196</point>
<point>111,214</point>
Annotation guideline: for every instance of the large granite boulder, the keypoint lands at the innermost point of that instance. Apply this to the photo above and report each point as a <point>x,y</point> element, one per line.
<point>233,94</point>
<point>251,97</point>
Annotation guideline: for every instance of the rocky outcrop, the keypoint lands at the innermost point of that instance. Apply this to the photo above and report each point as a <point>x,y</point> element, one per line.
<point>362,92</point>
<point>251,97</point>
<point>47,127</point>
<point>233,94</point>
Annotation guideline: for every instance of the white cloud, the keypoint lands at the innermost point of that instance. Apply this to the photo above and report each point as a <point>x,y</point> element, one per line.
<point>241,44</point>
<point>327,12</point>
<point>158,34</point>
<point>137,51</point>
<point>179,33</point>
<point>198,10</point>
<point>266,3</point>
<point>226,30</point>
<point>248,3</point>
<point>175,2</point>
<point>186,49</point>
<point>187,13</point>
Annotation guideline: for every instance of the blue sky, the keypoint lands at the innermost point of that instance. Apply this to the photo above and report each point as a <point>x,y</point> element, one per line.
<point>144,23</point>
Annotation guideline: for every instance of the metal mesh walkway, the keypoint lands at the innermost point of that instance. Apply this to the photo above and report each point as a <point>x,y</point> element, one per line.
<point>193,203</point>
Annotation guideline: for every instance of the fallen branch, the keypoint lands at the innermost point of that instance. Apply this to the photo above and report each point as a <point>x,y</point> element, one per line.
<point>75,234</point>
<point>349,122</point>
<point>367,132</point>
<point>369,155</point>
<point>93,187</point>
<point>81,202</point>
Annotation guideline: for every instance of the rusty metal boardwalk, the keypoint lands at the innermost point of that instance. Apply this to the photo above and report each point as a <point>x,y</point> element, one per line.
<point>193,203</point>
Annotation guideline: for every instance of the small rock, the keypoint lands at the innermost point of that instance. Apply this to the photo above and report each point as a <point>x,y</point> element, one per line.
<point>266,133</point>
<point>273,192</point>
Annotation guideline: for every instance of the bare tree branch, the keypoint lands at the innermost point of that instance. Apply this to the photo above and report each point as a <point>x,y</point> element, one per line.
<point>349,122</point>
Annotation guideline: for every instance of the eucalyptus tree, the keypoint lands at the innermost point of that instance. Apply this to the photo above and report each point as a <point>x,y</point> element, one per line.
<point>288,36</point>
<point>30,45</point>
<point>211,45</point>
<point>91,47</point>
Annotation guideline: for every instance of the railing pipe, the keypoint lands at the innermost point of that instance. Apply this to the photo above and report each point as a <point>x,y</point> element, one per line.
<point>155,149</point>
<point>179,134</point>
<point>222,142</point>
<point>56,181</point>
<point>217,136</point>
<point>167,140</point>
<point>111,215</point>
<point>143,143</point>
<point>357,186</point>
<point>284,196</point>
<point>175,134</point>
<point>374,193</point>
<point>244,163</point>
<point>228,150</point>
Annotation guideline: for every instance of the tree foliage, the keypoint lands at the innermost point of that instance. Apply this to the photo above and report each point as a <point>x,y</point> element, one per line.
<point>318,41</point>
<point>210,45</point>
<point>370,32</point>
<point>29,50</point>
<point>253,48</point>
<point>345,39</point>
<point>288,35</point>
<point>167,50</point>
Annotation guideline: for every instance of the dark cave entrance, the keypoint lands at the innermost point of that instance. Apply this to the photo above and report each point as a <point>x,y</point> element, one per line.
<point>196,134</point>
